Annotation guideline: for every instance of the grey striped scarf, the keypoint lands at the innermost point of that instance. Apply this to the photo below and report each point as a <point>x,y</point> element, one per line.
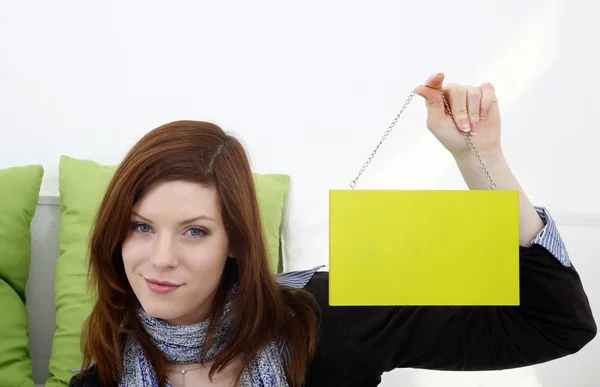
<point>183,345</point>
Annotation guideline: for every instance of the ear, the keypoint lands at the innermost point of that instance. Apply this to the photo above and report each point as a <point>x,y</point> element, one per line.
<point>231,254</point>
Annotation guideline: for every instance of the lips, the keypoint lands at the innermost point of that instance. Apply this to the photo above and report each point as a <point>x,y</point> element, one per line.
<point>161,287</point>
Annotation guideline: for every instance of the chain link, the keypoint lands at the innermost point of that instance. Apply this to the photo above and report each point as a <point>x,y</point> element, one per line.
<point>389,129</point>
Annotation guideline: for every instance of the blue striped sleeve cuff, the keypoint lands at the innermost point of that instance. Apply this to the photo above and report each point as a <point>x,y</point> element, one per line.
<point>550,239</point>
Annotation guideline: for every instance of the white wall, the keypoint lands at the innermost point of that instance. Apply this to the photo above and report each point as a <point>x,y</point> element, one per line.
<point>310,86</point>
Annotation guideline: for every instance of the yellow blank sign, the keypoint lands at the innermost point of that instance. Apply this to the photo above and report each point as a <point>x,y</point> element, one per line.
<point>423,247</point>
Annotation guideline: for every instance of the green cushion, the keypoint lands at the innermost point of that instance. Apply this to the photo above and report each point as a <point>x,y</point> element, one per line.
<point>271,191</point>
<point>19,193</point>
<point>82,184</point>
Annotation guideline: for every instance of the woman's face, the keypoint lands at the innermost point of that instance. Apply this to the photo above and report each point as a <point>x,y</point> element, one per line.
<point>175,251</point>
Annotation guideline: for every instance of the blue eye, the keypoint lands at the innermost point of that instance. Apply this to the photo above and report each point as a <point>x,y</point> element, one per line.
<point>196,231</point>
<point>141,227</point>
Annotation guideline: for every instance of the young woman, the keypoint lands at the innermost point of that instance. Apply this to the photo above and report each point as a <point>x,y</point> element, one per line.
<point>185,296</point>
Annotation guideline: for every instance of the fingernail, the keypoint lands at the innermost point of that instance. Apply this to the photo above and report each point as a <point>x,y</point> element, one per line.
<point>465,126</point>
<point>483,114</point>
<point>473,133</point>
<point>434,75</point>
<point>474,127</point>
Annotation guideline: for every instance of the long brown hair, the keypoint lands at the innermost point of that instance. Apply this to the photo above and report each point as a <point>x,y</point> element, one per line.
<point>198,152</point>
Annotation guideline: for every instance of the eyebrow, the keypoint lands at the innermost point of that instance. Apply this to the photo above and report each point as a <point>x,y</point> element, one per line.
<point>187,221</point>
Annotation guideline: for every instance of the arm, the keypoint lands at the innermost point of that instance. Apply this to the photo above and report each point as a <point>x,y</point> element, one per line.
<point>535,223</point>
<point>553,320</point>
<point>530,223</point>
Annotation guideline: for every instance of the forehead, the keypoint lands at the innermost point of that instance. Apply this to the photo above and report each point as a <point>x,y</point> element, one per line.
<point>175,199</point>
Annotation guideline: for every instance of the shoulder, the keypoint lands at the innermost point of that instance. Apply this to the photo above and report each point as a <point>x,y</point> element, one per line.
<point>347,316</point>
<point>340,357</point>
<point>318,285</point>
<point>312,281</point>
<point>90,377</point>
<point>87,379</point>
<point>361,325</point>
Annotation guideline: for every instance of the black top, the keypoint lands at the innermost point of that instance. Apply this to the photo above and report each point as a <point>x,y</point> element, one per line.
<point>358,344</point>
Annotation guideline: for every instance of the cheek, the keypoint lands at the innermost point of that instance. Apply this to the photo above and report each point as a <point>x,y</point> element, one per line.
<point>133,253</point>
<point>204,260</point>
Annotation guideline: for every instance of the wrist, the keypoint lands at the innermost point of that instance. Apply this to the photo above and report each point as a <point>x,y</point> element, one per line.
<point>496,166</point>
<point>489,158</point>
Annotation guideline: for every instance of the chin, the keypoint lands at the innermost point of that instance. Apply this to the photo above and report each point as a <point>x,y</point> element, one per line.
<point>175,308</point>
<point>163,311</point>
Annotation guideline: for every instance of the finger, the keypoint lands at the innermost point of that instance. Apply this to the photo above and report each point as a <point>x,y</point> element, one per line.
<point>457,98</point>
<point>432,96</point>
<point>489,102</point>
<point>473,105</point>
<point>435,81</point>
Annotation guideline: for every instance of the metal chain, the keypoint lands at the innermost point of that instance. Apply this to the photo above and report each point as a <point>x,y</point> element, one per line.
<point>389,129</point>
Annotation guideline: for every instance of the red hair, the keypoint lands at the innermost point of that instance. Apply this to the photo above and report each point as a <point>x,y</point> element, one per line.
<point>198,152</point>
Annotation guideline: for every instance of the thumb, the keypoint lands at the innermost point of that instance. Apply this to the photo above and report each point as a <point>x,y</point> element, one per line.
<point>431,93</point>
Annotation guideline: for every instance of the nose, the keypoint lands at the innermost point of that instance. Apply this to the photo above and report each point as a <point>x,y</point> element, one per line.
<point>164,254</point>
